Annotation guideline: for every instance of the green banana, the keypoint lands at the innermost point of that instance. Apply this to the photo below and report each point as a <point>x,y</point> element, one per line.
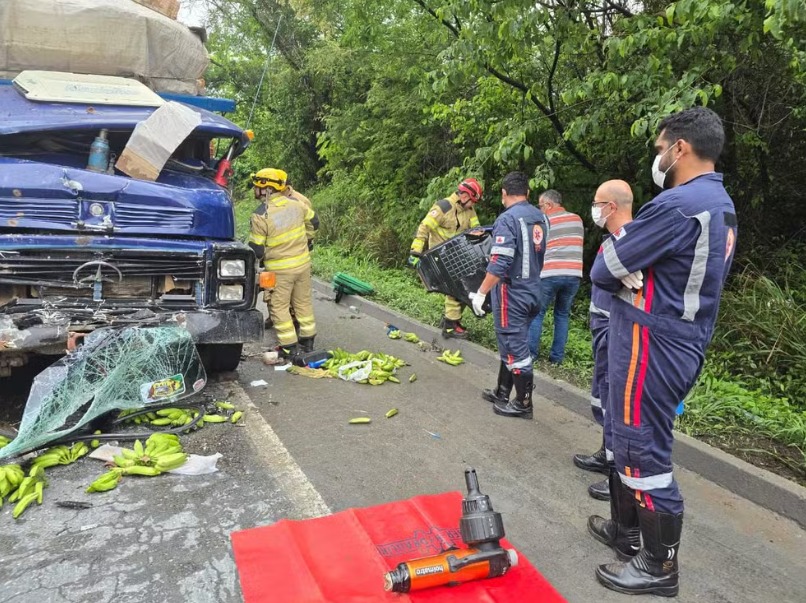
<point>108,481</point>
<point>225,405</point>
<point>413,378</point>
<point>141,470</point>
<point>214,419</point>
<point>391,413</point>
<point>23,504</point>
<point>236,416</point>
<point>360,421</point>
<point>172,461</point>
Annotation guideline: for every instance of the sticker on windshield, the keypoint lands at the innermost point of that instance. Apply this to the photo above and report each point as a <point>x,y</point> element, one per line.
<point>164,389</point>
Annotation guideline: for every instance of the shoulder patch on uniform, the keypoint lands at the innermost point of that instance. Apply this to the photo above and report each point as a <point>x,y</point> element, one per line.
<point>537,236</point>
<point>729,243</point>
<point>434,213</point>
<point>444,205</point>
<point>500,240</point>
<point>619,234</point>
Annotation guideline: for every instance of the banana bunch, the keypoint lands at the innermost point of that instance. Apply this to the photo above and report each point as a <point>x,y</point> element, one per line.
<point>384,366</point>
<point>398,334</point>
<point>177,417</point>
<point>60,455</point>
<point>4,441</point>
<point>30,489</point>
<point>162,452</point>
<point>108,481</point>
<point>11,476</point>
<point>452,358</point>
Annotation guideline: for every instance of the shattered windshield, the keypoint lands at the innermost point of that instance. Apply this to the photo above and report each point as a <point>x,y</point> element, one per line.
<point>115,369</point>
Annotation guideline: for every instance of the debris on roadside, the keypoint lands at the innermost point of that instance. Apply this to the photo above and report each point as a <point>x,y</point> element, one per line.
<point>258,383</point>
<point>373,368</point>
<point>391,413</point>
<point>344,284</point>
<point>360,421</point>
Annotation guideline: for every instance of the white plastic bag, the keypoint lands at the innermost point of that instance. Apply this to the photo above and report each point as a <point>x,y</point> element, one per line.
<point>358,375</point>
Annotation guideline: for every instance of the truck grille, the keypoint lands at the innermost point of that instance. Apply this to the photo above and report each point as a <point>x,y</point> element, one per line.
<point>145,216</point>
<point>60,211</point>
<point>57,267</point>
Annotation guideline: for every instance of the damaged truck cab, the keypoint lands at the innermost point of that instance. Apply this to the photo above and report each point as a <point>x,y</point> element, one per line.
<point>82,249</point>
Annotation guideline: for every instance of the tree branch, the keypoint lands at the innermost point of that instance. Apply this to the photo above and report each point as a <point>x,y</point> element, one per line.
<point>518,85</point>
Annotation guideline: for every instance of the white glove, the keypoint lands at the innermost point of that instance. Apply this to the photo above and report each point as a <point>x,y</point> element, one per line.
<point>477,300</point>
<point>634,281</point>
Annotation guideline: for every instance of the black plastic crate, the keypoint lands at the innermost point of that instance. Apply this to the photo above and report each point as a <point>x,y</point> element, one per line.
<point>458,266</point>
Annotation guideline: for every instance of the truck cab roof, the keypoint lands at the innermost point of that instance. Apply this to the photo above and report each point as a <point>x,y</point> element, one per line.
<point>18,115</point>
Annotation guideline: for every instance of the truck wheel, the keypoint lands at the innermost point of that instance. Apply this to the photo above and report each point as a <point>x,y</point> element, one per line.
<point>221,357</point>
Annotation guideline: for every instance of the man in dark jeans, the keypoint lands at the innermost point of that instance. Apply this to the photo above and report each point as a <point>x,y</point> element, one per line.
<point>561,275</point>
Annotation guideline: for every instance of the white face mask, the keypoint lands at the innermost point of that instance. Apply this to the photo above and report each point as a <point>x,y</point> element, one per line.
<point>658,176</point>
<point>598,218</point>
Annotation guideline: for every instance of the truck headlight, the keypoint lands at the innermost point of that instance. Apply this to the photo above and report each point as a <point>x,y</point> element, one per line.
<point>230,293</point>
<point>231,268</point>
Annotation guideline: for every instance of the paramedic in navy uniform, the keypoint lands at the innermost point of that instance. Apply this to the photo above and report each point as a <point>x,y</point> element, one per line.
<point>666,270</point>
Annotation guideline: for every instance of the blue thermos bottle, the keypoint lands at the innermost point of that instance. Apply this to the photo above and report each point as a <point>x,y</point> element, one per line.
<point>99,154</point>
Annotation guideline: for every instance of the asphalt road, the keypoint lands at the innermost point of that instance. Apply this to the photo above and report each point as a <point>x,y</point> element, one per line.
<point>167,538</point>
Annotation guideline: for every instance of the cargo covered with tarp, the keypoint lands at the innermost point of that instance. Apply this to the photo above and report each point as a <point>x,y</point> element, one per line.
<point>102,37</point>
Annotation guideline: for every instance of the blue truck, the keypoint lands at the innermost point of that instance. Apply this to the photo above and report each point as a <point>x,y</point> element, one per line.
<point>80,250</point>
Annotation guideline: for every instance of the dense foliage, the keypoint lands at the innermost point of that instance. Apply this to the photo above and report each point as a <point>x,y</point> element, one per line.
<point>380,107</point>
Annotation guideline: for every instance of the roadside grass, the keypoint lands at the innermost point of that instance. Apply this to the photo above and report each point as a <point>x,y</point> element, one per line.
<point>744,413</point>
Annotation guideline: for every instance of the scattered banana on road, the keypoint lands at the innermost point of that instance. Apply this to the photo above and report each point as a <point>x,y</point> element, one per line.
<point>384,366</point>
<point>4,441</point>
<point>60,455</point>
<point>452,358</point>
<point>162,452</point>
<point>30,489</point>
<point>11,477</point>
<point>178,417</point>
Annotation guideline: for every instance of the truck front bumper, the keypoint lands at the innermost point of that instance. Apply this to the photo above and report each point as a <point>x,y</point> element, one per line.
<point>55,334</point>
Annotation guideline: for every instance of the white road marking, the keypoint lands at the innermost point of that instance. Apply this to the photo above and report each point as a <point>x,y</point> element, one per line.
<point>294,483</point>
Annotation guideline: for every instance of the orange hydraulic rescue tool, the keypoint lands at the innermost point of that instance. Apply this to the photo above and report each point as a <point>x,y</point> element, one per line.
<point>481,529</point>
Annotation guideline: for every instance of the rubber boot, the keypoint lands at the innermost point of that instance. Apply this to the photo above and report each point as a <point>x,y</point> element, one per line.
<point>593,462</point>
<point>654,569</point>
<point>306,344</point>
<point>502,389</point>
<point>621,532</point>
<point>521,406</point>
<point>451,329</point>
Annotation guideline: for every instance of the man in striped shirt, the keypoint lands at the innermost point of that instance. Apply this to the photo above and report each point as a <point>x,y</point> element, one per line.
<point>561,275</point>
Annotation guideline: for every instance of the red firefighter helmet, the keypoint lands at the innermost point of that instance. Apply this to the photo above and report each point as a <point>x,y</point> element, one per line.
<point>472,187</point>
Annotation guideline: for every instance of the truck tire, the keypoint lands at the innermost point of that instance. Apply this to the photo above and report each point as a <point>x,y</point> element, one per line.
<point>221,357</point>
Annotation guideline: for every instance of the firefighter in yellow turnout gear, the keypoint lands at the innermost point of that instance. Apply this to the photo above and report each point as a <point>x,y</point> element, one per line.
<point>447,218</point>
<point>279,235</point>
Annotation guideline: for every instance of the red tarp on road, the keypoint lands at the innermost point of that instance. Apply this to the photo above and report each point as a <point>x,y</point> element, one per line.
<point>342,558</point>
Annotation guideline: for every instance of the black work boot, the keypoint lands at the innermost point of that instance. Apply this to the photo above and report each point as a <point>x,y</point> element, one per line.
<point>593,462</point>
<point>502,389</point>
<point>521,406</point>
<point>600,490</point>
<point>621,532</point>
<point>654,569</point>
<point>451,329</point>
<point>289,351</point>
<point>306,344</point>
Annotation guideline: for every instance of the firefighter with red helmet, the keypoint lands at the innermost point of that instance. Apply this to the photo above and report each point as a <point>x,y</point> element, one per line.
<point>447,218</point>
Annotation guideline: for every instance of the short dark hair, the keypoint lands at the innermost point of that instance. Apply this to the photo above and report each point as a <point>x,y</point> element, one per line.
<point>552,196</point>
<point>516,183</point>
<point>698,126</point>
